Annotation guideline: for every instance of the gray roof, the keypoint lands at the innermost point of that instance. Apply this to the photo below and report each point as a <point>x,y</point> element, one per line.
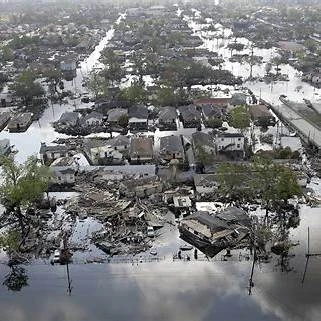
<point>115,113</point>
<point>211,111</point>
<point>238,99</point>
<point>233,215</point>
<point>119,140</point>
<point>210,221</point>
<point>140,112</point>
<point>167,113</point>
<point>68,117</point>
<point>53,148</point>
<point>202,139</point>
<point>171,144</point>
<point>190,113</point>
<point>294,143</point>
<point>208,180</point>
<point>94,114</point>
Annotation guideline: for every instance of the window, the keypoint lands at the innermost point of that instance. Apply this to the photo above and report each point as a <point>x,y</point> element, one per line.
<point>125,146</point>
<point>239,139</point>
<point>238,145</point>
<point>222,139</point>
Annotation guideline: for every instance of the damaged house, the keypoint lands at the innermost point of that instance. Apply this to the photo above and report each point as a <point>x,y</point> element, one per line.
<point>213,233</point>
<point>50,153</point>
<point>167,118</point>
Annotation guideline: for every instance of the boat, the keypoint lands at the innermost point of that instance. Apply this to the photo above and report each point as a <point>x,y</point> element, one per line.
<point>186,247</point>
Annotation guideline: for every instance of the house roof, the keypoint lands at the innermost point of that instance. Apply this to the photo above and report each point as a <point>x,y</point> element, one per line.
<point>53,148</point>
<point>94,114</point>
<point>189,113</point>
<point>115,113</point>
<point>212,101</point>
<point>212,111</point>
<point>226,134</point>
<point>202,139</point>
<point>233,214</point>
<point>140,112</point>
<point>167,113</point>
<point>141,146</point>
<point>259,111</point>
<point>171,144</point>
<point>119,140</point>
<point>212,222</point>
<point>4,142</point>
<point>21,118</point>
<point>294,143</point>
<point>207,180</point>
<point>68,117</point>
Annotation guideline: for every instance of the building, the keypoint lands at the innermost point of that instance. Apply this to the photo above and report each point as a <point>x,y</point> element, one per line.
<point>213,233</point>
<point>141,150</point>
<point>230,142</point>
<point>206,183</point>
<point>141,187</point>
<point>62,176</point>
<point>294,143</point>
<point>167,118</point>
<point>115,114</point>
<point>93,119</point>
<point>20,122</point>
<point>50,153</point>
<point>171,147</point>
<point>69,119</point>
<point>261,115</point>
<point>190,116</point>
<point>138,118</point>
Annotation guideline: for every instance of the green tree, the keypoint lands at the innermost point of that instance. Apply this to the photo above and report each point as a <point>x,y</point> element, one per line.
<point>96,84</point>
<point>26,87</point>
<point>22,186</point>
<point>135,94</point>
<point>112,71</point>
<point>240,118</point>
<point>16,279</point>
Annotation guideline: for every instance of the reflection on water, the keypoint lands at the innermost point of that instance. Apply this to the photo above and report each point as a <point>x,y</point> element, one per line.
<point>169,290</point>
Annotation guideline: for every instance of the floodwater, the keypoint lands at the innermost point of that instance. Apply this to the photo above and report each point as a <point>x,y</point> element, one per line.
<point>167,290</point>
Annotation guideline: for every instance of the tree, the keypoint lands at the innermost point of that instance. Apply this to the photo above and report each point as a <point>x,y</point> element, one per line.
<point>234,180</point>
<point>22,186</point>
<point>268,68</point>
<point>240,118</point>
<point>96,84</point>
<point>135,94</point>
<point>26,87</point>
<point>113,71</point>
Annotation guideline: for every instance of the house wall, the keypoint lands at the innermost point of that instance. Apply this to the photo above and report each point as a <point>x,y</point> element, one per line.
<point>205,189</point>
<point>237,143</point>
<point>60,178</point>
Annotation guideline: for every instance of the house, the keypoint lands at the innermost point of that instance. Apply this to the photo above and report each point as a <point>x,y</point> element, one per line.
<point>167,117</point>
<point>115,114</point>
<point>220,102</point>
<point>138,118</point>
<point>4,119</point>
<point>93,119</point>
<point>230,142</point>
<point>141,150</point>
<point>69,119</point>
<point>190,116</point>
<point>50,153</point>
<point>210,112</point>
<point>171,147</point>
<point>206,183</point>
<point>62,175</point>
<point>105,152</point>
<point>203,141</point>
<point>20,122</point>
<point>261,115</point>
<point>120,143</point>
<point>210,233</point>
<point>5,147</point>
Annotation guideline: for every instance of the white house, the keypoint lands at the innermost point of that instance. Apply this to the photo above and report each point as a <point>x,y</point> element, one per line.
<point>62,175</point>
<point>230,142</point>
<point>93,119</point>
